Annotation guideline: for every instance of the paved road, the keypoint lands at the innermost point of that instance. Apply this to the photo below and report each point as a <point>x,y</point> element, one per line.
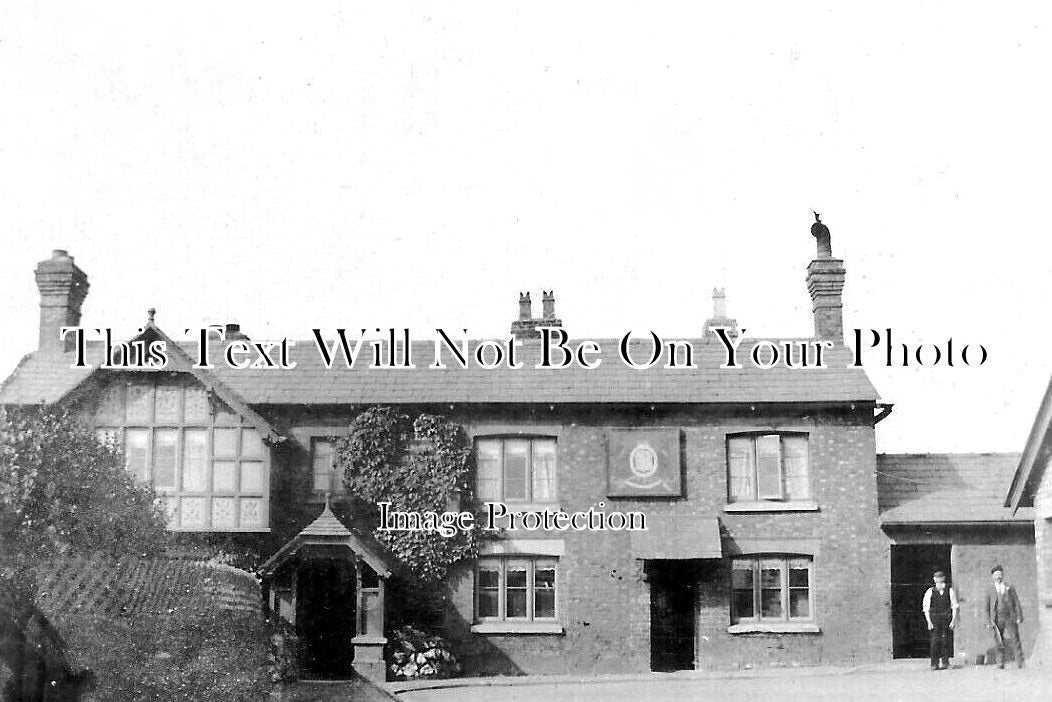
<point>964,685</point>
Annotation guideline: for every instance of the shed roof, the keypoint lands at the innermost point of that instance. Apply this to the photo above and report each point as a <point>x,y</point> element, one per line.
<point>940,488</point>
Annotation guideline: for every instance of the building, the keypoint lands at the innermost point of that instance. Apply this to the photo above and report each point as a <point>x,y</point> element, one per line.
<point>946,512</point>
<point>1030,494</point>
<point>766,537</point>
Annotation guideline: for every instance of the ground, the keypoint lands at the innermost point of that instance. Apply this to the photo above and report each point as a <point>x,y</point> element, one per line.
<point>886,684</point>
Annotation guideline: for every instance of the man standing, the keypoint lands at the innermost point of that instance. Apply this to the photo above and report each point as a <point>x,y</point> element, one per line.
<point>940,611</point>
<point>1004,615</point>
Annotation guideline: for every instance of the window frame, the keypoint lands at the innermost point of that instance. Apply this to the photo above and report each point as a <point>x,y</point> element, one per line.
<point>531,440</point>
<point>755,438</point>
<point>503,563</point>
<point>115,423</point>
<point>786,562</point>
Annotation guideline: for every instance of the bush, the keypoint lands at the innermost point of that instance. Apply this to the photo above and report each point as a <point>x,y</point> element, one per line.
<point>413,654</point>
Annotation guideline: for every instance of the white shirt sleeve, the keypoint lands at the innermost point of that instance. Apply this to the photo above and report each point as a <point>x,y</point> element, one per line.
<point>926,606</point>
<point>953,600</point>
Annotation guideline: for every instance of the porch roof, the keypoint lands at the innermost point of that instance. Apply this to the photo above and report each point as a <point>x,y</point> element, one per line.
<point>328,530</point>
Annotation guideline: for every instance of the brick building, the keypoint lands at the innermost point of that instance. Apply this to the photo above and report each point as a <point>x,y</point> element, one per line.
<point>765,538</point>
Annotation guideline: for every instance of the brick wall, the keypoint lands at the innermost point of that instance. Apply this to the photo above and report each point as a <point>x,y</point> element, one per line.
<point>604,597</point>
<point>974,550</point>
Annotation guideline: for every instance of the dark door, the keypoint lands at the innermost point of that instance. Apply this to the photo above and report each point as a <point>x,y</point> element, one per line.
<point>673,597</point>
<point>911,570</point>
<point>325,616</point>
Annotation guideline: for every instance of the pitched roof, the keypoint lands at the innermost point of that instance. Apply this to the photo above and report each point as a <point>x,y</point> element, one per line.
<point>328,530</point>
<point>1034,461</point>
<point>46,378</point>
<point>931,488</point>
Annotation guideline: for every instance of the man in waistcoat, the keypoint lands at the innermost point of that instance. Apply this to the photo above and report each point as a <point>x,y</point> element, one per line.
<point>1004,615</point>
<point>940,611</point>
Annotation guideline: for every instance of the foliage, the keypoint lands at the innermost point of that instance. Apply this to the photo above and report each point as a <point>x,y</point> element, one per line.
<point>415,654</point>
<point>217,655</point>
<point>63,490</point>
<point>418,465</point>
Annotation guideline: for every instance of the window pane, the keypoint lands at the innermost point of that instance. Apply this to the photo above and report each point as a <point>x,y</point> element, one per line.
<point>195,460</point>
<point>225,442</point>
<point>740,468</point>
<point>771,603</point>
<point>164,458</point>
<point>543,470</point>
<point>515,469</point>
<point>251,444</point>
<point>251,512</point>
<point>798,577</point>
<point>251,476</point>
<point>770,591</point>
<point>111,404</point>
<point>742,594</point>
<point>515,590</point>
<point>196,404</point>
<point>193,512</point>
<point>223,513</point>
<point>322,466</point>
<point>797,485</point>
<point>135,453</point>
<point>168,398</point>
<point>768,467</point>
<point>799,602</point>
<point>544,592</point>
<point>489,591</point>
<point>140,403</point>
<point>224,478</point>
<point>488,467</point>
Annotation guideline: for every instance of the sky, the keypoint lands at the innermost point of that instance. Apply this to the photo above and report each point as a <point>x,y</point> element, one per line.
<point>336,165</point>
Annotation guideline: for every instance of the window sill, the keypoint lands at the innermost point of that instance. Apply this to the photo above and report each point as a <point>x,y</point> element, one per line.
<point>772,506</point>
<point>521,506</point>
<point>774,628</point>
<point>517,628</point>
<point>207,530</point>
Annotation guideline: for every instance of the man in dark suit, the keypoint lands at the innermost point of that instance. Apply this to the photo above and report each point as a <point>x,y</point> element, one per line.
<point>1004,615</point>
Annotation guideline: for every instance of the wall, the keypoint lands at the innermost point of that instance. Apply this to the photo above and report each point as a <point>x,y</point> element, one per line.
<point>974,550</point>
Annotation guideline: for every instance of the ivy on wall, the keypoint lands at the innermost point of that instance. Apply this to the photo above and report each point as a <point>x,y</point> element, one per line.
<point>418,465</point>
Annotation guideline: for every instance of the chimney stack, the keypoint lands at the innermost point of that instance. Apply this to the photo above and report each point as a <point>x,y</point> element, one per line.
<point>825,283</point>
<point>719,316</point>
<point>525,327</point>
<point>63,287</point>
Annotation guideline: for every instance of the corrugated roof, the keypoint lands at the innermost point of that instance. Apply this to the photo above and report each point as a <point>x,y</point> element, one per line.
<point>946,487</point>
<point>46,377</point>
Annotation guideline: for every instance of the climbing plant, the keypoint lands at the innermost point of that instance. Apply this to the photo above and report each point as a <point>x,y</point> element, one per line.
<point>417,465</point>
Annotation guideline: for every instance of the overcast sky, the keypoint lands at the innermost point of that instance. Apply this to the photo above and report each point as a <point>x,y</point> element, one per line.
<point>300,165</point>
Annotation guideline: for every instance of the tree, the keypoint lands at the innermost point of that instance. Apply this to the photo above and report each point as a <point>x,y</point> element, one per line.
<point>63,490</point>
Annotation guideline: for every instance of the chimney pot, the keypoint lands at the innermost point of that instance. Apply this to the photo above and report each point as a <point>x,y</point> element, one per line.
<point>548,304</point>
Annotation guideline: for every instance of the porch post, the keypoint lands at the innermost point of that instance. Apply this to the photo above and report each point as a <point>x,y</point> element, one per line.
<point>368,645</point>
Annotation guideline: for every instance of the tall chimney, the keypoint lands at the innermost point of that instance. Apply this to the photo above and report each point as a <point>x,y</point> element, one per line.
<point>63,287</point>
<point>525,327</point>
<point>825,283</point>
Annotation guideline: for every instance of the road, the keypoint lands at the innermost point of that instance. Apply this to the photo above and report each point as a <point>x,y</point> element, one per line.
<point>979,684</point>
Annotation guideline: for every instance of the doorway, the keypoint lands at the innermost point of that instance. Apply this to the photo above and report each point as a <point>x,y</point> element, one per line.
<point>325,616</point>
<point>673,607</point>
<point>912,566</point>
